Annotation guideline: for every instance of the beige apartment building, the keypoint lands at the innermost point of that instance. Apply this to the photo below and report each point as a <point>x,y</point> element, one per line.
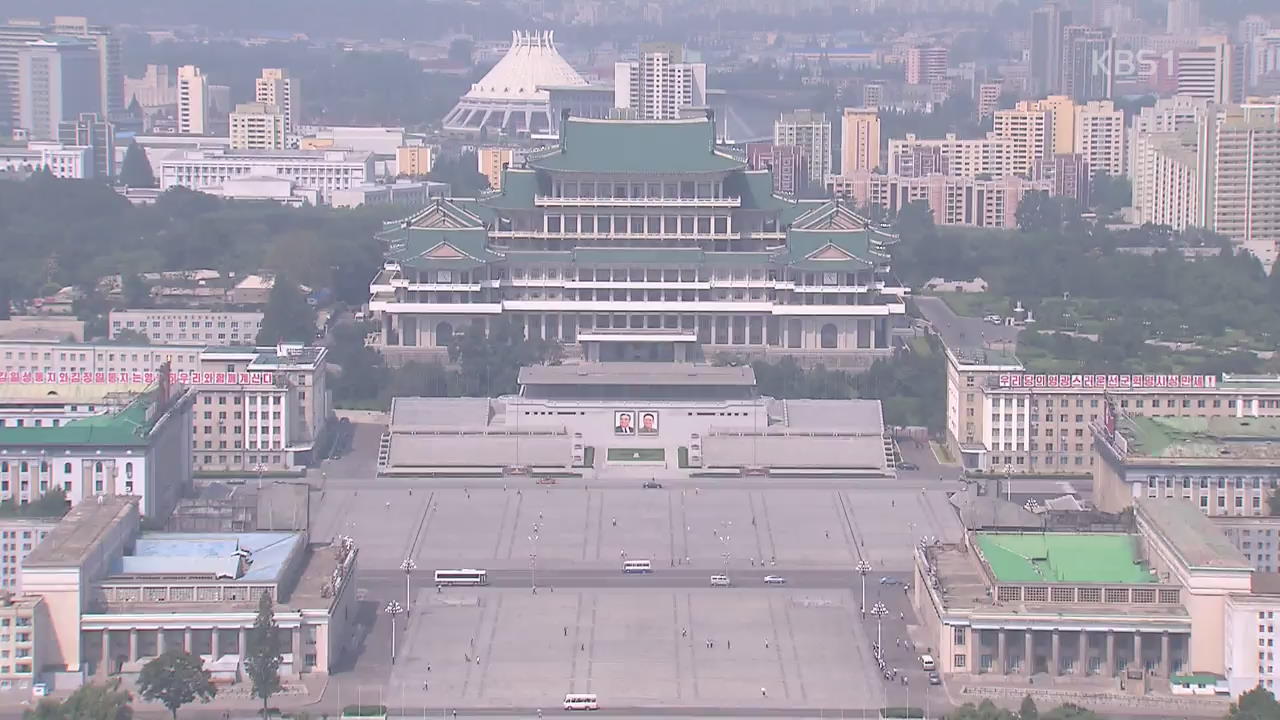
<point>1031,132</point>
<point>1002,419</point>
<point>193,101</point>
<point>491,161</point>
<point>1100,136</point>
<point>258,126</point>
<point>415,160</point>
<point>276,87</point>
<point>188,327</point>
<point>860,138</point>
<point>1062,112</point>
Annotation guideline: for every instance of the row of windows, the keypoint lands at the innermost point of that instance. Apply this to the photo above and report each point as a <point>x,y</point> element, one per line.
<point>83,357</point>
<point>251,459</point>
<point>235,324</point>
<point>24,487</point>
<point>25,466</point>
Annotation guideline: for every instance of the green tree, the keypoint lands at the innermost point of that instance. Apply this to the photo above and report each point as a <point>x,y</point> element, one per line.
<point>1257,704</point>
<point>135,171</point>
<point>1109,193</point>
<point>46,709</point>
<point>5,299</point>
<point>174,679</point>
<point>986,710</point>
<point>99,702</point>
<point>287,316</point>
<point>262,662</point>
<point>1039,212</point>
<point>1069,711</point>
<point>134,292</point>
<point>462,173</point>
<point>461,51</point>
<point>1028,710</point>
<point>130,336</point>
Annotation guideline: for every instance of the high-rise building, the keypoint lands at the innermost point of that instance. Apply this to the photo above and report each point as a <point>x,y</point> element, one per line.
<point>968,158</point>
<point>926,65</point>
<point>811,132</point>
<point>989,98</point>
<point>491,161</point>
<point>1213,71</point>
<point>1063,111</point>
<point>1165,179</point>
<point>953,201</point>
<point>57,80</point>
<point>873,95</point>
<point>15,35</point>
<point>154,89</point>
<point>415,160</point>
<point>193,101</point>
<point>1070,175</point>
<point>1182,16</point>
<point>659,84</point>
<point>787,164</point>
<point>1088,63</point>
<point>860,139</point>
<point>1100,137</point>
<point>1031,132</point>
<point>276,87</point>
<point>90,130</point>
<point>258,126</point>
<point>1047,24</point>
<point>1238,163</point>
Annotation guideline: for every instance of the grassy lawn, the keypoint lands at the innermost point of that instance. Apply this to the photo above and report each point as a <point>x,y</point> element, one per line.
<point>976,304</point>
<point>636,455</point>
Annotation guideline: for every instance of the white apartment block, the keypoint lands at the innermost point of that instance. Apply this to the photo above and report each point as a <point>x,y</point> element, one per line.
<point>1211,71</point>
<point>188,326</point>
<point>953,201</point>
<point>659,84</point>
<point>320,170</point>
<point>1167,171</point>
<point>1100,137</point>
<point>258,126</point>
<point>277,87</point>
<point>193,101</point>
<point>1238,164</point>
<point>70,162</point>
<point>811,132</point>
<point>1168,115</point>
<point>926,65</point>
<point>964,158</point>
<point>1031,132</point>
<point>19,536</point>
<point>860,139</point>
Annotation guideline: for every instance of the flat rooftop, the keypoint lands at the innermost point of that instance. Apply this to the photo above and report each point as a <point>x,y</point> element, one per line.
<point>626,373</point>
<point>989,356</point>
<point>441,413</point>
<point>1195,537</point>
<point>1203,438</point>
<point>1064,558</point>
<point>80,530</point>
<point>128,426</point>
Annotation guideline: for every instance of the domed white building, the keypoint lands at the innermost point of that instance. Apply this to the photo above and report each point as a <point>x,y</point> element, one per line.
<point>510,97</point>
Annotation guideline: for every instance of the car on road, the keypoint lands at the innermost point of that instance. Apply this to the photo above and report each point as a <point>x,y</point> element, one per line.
<point>774,580</point>
<point>935,678</point>
<point>652,484</point>
<point>993,319</point>
<point>720,581</point>
<point>890,581</point>
<point>908,466</point>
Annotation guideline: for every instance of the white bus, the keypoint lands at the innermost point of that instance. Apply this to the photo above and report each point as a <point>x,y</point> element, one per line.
<point>637,566</point>
<point>462,577</point>
<point>581,701</point>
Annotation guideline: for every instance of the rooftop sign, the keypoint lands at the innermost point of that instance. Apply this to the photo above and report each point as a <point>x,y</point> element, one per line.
<point>1107,382</point>
<point>140,378</point>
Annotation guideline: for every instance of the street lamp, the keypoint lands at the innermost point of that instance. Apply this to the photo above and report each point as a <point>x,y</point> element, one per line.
<point>863,567</point>
<point>408,566</point>
<point>393,608</point>
<point>879,611</point>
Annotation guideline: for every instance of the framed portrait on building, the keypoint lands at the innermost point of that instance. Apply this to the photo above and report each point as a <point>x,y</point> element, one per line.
<point>624,422</point>
<point>648,422</point>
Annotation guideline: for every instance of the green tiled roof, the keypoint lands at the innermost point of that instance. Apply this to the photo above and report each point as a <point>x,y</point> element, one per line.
<point>518,190</point>
<point>127,427</point>
<point>755,187</point>
<point>636,146</point>
<point>414,247</point>
<point>639,256</point>
<point>803,244</point>
<point>1064,557</point>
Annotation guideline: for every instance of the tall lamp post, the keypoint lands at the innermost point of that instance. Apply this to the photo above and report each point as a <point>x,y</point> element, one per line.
<point>863,567</point>
<point>879,611</point>
<point>393,609</point>
<point>408,566</point>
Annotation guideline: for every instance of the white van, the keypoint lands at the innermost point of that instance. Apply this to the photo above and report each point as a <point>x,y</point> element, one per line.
<point>581,701</point>
<point>637,566</point>
<point>927,663</point>
<point>720,581</point>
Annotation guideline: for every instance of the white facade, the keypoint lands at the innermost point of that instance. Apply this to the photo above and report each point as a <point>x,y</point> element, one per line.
<point>926,65</point>
<point>320,170</point>
<point>1168,115</point>
<point>1210,71</point>
<point>965,158</point>
<point>1238,163</point>
<point>1250,642</point>
<point>1100,137</point>
<point>258,126</point>
<point>811,132</point>
<point>71,162</point>
<point>954,201</point>
<point>276,87</point>
<point>182,327</point>
<point>659,84</point>
<point>57,80</point>
<point>1168,178</point>
<point>18,536</point>
<point>193,101</point>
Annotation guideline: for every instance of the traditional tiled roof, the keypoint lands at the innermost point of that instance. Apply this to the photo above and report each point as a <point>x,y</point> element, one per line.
<point>128,427</point>
<point>519,186</point>
<point>755,187</point>
<point>461,249</point>
<point>636,146</point>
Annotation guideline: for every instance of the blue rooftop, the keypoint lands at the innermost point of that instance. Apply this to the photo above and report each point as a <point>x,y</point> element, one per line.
<point>249,557</point>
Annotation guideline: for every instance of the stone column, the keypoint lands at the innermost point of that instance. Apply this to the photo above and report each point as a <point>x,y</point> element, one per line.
<point>1110,662</point>
<point>1082,651</point>
<point>133,645</point>
<point>187,644</point>
<point>1002,641</point>
<point>243,647</point>
<point>1164,654</point>
<point>1028,652</point>
<point>1137,650</point>
<point>1055,655</point>
<point>106,654</point>
<point>214,650</point>
<point>297,650</point>
<point>160,641</point>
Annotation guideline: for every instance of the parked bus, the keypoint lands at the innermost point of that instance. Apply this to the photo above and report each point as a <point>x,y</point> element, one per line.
<point>581,701</point>
<point>637,566</point>
<point>462,577</point>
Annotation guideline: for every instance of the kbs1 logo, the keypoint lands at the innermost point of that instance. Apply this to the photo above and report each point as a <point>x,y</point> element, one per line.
<point>1126,64</point>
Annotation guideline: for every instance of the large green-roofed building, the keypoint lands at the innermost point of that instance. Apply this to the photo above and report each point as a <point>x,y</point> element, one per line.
<point>1064,557</point>
<point>641,240</point>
